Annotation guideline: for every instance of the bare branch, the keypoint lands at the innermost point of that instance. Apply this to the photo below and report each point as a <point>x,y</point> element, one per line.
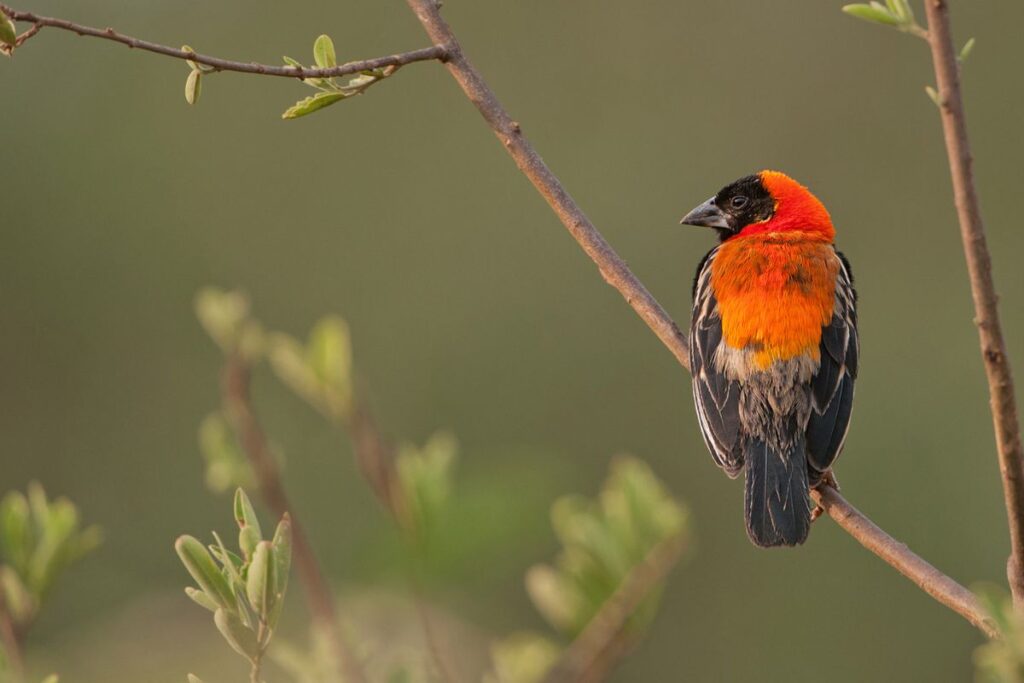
<point>617,273</point>
<point>610,264</point>
<point>905,561</point>
<point>604,641</point>
<point>235,396</point>
<point>216,63</point>
<point>979,268</point>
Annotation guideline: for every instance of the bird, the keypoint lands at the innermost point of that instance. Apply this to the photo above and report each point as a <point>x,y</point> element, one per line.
<point>773,348</point>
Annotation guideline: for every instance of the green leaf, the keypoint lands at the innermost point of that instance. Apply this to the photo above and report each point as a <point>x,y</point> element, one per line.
<point>52,678</point>
<point>201,598</point>
<point>19,602</point>
<point>223,315</point>
<point>241,639</point>
<point>193,86</point>
<point>933,95</point>
<point>522,658</point>
<point>329,354</point>
<point>323,52</point>
<point>16,530</point>
<point>245,513</point>
<point>965,52</point>
<point>192,678</point>
<point>8,31</point>
<point>259,584</point>
<point>312,104</point>
<point>292,62</point>
<point>870,13</point>
<point>282,556</point>
<point>200,565</point>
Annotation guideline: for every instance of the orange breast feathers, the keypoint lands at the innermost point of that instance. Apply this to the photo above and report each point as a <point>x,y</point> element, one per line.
<point>775,292</point>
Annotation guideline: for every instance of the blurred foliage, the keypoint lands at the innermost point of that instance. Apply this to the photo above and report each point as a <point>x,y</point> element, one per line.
<point>1001,660</point>
<point>424,476</point>
<point>603,540</point>
<point>244,592</point>
<point>39,539</point>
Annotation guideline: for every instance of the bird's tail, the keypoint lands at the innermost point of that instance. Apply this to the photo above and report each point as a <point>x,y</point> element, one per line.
<point>777,501</point>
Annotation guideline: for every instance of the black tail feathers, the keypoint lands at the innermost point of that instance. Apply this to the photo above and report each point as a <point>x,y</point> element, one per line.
<point>777,502</point>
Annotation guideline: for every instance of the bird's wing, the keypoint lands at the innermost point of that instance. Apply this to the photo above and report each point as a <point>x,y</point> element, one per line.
<point>832,387</point>
<point>716,397</point>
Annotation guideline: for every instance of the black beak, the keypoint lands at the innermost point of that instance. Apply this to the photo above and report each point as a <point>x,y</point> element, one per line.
<point>707,215</point>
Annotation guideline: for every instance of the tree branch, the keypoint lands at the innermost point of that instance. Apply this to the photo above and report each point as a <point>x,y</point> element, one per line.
<point>604,641</point>
<point>979,268</point>
<point>617,274</point>
<point>235,379</point>
<point>905,561</point>
<point>216,63</point>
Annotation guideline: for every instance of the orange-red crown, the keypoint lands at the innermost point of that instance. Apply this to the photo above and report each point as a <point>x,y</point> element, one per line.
<point>796,209</point>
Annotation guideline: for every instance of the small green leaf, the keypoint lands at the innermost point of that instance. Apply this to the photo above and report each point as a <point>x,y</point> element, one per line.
<point>200,565</point>
<point>878,15</point>
<point>259,584</point>
<point>16,530</point>
<point>323,52</point>
<point>312,104</point>
<point>201,598</point>
<point>292,62</point>
<point>282,547</point>
<point>193,86</point>
<point>18,600</point>
<point>965,52</point>
<point>52,678</point>
<point>192,678</point>
<point>245,513</point>
<point>8,31</point>
<point>933,95</point>
<point>241,639</point>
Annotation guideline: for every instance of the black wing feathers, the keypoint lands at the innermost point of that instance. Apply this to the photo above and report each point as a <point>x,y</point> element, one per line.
<point>832,388</point>
<point>716,397</point>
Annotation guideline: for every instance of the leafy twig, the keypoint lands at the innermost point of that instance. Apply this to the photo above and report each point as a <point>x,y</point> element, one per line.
<point>979,267</point>
<point>235,391</point>
<point>216,63</point>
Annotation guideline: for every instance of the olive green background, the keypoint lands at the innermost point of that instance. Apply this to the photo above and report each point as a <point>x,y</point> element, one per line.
<point>473,310</point>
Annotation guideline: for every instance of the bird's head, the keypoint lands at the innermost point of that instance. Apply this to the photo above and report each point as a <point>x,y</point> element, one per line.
<point>768,201</point>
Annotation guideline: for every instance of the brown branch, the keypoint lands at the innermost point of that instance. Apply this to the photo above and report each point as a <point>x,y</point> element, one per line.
<point>979,268</point>
<point>905,561</point>
<point>617,273</point>
<point>605,640</point>
<point>235,380</point>
<point>216,63</point>
<point>610,264</point>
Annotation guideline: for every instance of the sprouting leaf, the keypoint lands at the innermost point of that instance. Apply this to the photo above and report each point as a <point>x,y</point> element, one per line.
<point>8,31</point>
<point>965,52</point>
<point>200,565</point>
<point>282,557</point>
<point>323,52</point>
<point>201,598</point>
<point>193,86</point>
<point>292,62</point>
<point>259,583</point>
<point>933,95</point>
<point>876,14</point>
<point>312,104</point>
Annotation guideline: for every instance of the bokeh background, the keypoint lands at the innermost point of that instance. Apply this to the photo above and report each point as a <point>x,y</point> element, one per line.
<point>472,310</point>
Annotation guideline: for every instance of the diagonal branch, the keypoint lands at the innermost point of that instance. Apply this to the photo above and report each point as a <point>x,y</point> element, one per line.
<point>216,63</point>
<point>235,396</point>
<point>979,268</point>
<point>617,274</point>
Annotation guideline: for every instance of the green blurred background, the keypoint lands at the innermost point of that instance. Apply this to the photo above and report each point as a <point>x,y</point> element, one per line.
<point>472,310</point>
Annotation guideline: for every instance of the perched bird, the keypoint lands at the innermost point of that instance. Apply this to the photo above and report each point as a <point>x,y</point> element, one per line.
<point>773,348</point>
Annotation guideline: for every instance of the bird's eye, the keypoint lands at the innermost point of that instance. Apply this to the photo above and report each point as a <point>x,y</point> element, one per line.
<point>738,202</point>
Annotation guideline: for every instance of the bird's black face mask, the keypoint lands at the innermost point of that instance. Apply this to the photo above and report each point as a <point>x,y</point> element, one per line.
<point>736,206</point>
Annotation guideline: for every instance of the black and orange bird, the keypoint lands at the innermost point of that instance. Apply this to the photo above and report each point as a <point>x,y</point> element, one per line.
<point>773,348</point>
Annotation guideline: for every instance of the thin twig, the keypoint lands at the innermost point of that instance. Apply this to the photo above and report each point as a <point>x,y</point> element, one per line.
<point>235,395</point>
<point>216,63</point>
<point>979,268</point>
<point>905,561</point>
<point>598,648</point>
<point>617,274</point>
